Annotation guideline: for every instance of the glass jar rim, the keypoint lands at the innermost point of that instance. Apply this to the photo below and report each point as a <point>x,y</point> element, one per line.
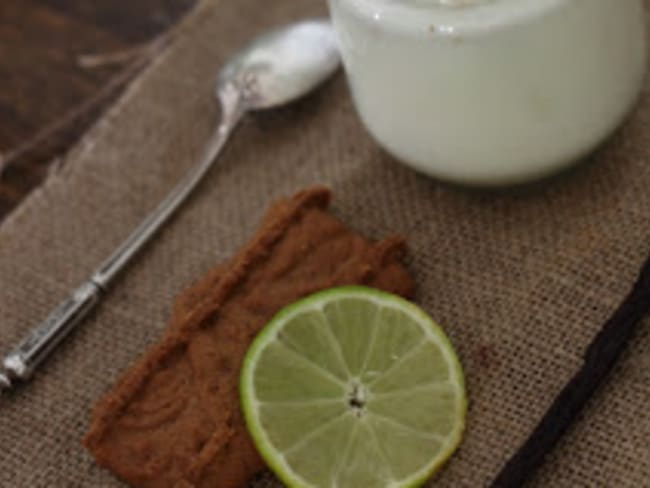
<point>410,17</point>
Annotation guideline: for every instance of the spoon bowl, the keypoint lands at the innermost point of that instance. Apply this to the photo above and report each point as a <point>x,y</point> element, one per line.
<point>283,65</point>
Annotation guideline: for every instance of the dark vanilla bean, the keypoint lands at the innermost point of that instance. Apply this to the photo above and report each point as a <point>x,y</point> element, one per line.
<point>600,358</point>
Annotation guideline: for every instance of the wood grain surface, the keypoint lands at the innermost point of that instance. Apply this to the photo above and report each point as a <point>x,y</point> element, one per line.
<point>43,44</point>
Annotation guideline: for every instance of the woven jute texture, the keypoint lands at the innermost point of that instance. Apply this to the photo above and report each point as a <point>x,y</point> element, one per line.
<point>520,280</point>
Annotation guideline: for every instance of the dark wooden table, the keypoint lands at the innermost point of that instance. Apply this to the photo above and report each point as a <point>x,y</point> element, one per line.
<point>55,55</point>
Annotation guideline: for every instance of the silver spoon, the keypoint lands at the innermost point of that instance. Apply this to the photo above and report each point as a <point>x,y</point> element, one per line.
<point>276,69</point>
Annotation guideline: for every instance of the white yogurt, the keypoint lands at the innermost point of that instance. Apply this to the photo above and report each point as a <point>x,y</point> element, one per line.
<point>491,91</point>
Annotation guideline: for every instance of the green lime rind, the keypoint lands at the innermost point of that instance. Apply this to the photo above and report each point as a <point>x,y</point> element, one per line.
<point>275,459</point>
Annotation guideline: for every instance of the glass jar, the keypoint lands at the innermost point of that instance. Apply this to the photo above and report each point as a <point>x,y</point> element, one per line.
<point>491,92</point>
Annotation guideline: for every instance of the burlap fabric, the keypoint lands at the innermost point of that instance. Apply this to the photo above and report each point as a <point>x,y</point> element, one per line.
<point>521,281</point>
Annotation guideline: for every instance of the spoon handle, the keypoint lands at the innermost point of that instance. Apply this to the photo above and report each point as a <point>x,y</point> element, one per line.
<point>233,112</point>
<point>21,363</point>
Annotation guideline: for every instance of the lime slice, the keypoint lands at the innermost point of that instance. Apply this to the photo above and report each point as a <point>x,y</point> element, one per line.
<point>353,387</point>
